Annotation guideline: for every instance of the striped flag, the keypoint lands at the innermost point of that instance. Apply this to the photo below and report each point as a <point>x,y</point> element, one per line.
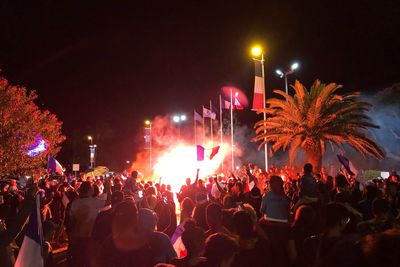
<point>30,253</point>
<point>236,105</point>
<point>209,114</point>
<point>55,166</point>
<point>259,89</point>
<point>198,117</point>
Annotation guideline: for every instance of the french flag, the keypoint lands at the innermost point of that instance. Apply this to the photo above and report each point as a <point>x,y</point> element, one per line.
<point>30,253</point>
<point>55,166</point>
<point>258,100</point>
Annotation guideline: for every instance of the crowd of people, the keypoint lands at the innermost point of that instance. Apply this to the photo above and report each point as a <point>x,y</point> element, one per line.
<point>250,218</point>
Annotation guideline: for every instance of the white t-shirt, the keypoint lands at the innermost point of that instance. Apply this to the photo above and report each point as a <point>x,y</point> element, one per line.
<point>83,213</point>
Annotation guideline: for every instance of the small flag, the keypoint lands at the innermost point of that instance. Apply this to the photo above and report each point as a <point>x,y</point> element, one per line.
<point>30,253</point>
<point>147,138</point>
<point>200,153</point>
<point>198,117</point>
<point>209,114</point>
<point>214,152</point>
<point>55,166</point>
<point>259,89</point>
<point>237,105</point>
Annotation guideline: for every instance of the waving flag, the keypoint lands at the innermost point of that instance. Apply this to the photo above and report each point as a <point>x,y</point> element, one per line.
<point>259,89</point>
<point>348,165</point>
<point>55,166</point>
<point>30,253</point>
<point>198,117</point>
<point>201,152</point>
<point>209,114</point>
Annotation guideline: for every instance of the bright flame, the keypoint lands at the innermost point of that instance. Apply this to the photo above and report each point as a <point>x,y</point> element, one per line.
<point>180,162</point>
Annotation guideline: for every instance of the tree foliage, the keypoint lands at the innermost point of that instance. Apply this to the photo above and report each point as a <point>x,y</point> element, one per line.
<point>21,123</point>
<point>313,118</point>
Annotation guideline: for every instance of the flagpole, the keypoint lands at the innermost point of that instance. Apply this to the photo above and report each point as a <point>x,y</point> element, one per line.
<point>220,128</point>
<point>211,125</point>
<point>233,163</point>
<point>264,113</point>
<point>194,122</point>
<point>204,131</point>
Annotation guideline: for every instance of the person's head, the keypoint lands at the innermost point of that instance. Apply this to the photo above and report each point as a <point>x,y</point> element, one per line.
<point>371,192</point>
<point>147,220</point>
<point>86,189</point>
<point>380,208</point>
<point>304,217</point>
<point>96,190</point>
<point>337,216</point>
<point>308,168</point>
<point>255,192</point>
<point>116,198</point>
<point>220,250</point>
<point>237,188</point>
<point>341,181</point>
<point>151,191</point>
<point>169,188</point>
<point>214,215</point>
<point>228,202</point>
<point>188,182</point>
<point>187,204</point>
<point>243,225</point>
<point>276,184</point>
<point>210,180</point>
<point>124,219</point>
<point>193,238</point>
<point>134,175</point>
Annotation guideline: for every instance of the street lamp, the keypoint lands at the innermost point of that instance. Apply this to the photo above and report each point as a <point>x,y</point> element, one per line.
<point>258,56</point>
<point>284,74</point>
<point>148,142</point>
<point>92,152</point>
<point>178,119</point>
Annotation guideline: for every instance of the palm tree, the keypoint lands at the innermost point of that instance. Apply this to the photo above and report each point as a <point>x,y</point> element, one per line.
<point>316,117</point>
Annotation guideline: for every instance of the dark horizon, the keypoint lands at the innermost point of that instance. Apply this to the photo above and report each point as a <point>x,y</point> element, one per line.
<point>114,65</point>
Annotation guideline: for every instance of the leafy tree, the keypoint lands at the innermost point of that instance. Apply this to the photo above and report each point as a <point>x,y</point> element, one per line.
<point>21,124</point>
<point>316,117</point>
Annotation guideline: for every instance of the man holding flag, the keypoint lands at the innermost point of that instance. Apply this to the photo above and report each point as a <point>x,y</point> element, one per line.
<point>30,253</point>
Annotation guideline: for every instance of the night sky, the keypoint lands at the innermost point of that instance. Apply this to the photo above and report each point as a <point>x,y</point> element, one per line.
<point>116,63</point>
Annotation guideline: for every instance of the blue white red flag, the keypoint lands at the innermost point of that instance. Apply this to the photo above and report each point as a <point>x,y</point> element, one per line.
<point>30,253</point>
<point>55,166</point>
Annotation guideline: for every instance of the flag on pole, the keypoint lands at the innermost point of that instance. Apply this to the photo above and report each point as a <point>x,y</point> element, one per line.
<point>201,152</point>
<point>214,152</point>
<point>259,89</point>
<point>348,165</point>
<point>236,105</point>
<point>55,166</point>
<point>209,114</point>
<point>197,117</point>
<point>30,253</point>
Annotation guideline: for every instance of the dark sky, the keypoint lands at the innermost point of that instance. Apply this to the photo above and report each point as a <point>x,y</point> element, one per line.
<point>120,62</point>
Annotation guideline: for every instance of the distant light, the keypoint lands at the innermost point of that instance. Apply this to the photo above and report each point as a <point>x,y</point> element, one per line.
<point>236,94</point>
<point>183,117</point>
<point>147,122</point>
<point>127,162</point>
<point>176,119</point>
<point>295,66</point>
<point>237,167</point>
<point>89,138</point>
<point>256,51</point>
<point>280,73</point>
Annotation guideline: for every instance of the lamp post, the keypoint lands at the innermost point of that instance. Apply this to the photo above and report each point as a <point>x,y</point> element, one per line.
<point>92,152</point>
<point>148,142</point>
<point>258,55</point>
<point>284,75</point>
<point>179,119</point>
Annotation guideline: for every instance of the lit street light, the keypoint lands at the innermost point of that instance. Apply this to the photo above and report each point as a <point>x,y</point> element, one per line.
<point>92,152</point>
<point>282,74</point>
<point>148,143</point>
<point>179,119</point>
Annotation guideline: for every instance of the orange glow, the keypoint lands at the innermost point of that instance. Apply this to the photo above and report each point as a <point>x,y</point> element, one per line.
<point>180,162</point>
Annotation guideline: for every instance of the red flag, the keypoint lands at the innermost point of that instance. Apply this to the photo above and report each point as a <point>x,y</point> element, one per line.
<point>214,152</point>
<point>259,89</point>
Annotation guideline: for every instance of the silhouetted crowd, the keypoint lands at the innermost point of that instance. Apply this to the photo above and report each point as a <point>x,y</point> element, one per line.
<point>250,218</point>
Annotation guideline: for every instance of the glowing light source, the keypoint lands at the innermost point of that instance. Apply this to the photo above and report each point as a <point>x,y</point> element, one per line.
<point>147,122</point>
<point>256,51</point>
<point>176,119</point>
<point>236,94</point>
<point>280,73</point>
<point>37,149</point>
<point>90,138</point>
<point>183,117</point>
<point>179,162</point>
<point>294,66</point>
